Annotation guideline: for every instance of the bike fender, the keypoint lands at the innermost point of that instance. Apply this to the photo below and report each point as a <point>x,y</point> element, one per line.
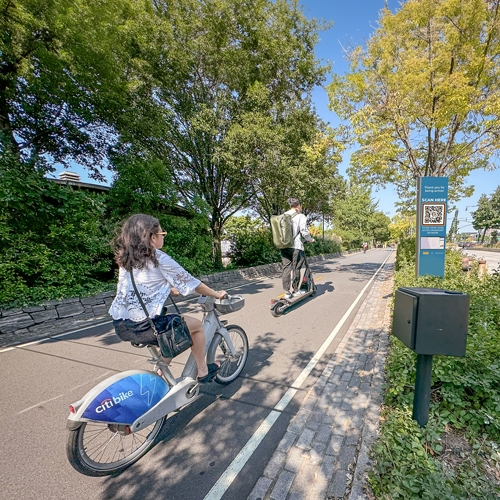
<point>225,334</point>
<point>119,399</point>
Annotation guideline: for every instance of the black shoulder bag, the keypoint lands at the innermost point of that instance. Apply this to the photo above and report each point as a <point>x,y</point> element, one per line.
<point>172,333</point>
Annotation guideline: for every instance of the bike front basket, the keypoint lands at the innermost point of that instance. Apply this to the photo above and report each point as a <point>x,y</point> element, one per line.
<point>232,304</point>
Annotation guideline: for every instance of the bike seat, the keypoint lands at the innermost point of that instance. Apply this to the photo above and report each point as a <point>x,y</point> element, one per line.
<point>139,345</point>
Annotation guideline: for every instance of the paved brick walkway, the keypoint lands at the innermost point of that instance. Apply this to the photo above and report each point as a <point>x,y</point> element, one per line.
<point>324,453</point>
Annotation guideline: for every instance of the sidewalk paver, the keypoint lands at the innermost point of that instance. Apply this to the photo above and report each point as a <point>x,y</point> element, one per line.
<point>324,452</point>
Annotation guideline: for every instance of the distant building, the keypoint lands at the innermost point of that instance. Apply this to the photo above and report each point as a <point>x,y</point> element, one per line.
<point>72,179</point>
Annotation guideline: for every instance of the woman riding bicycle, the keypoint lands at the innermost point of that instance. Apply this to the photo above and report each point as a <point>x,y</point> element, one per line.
<point>156,274</point>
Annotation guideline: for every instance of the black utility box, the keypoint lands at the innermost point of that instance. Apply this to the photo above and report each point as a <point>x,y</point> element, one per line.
<point>431,320</point>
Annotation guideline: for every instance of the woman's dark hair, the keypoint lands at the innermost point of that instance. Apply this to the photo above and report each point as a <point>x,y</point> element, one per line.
<point>132,246</point>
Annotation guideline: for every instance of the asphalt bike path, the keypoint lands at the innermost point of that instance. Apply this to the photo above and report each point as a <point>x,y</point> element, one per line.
<point>195,456</point>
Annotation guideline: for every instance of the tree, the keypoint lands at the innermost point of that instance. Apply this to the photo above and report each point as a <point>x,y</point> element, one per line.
<point>353,213</point>
<point>214,68</point>
<point>379,227</point>
<point>422,99</point>
<point>482,216</point>
<point>495,207</point>
<point>452,234</point>
<point>65,67</point>
<point>487,215</point>
<point>295,156</point>
<point>402,226</point>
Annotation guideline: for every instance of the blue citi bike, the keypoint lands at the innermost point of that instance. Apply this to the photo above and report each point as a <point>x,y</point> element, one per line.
<point>118,421</point>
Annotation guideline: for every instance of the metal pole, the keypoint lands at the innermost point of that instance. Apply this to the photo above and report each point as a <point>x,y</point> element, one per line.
<point>419,222</point>
<point>422,398</point>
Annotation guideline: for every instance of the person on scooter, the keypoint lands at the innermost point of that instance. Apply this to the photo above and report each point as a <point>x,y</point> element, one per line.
<point>293,258</point>
<point>138,249</point>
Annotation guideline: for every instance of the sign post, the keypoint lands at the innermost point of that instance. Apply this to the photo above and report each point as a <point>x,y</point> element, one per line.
<point>432,204</point>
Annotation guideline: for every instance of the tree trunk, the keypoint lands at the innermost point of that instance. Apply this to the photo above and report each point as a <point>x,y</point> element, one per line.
<point>216,227</point>
<point>5,127</point>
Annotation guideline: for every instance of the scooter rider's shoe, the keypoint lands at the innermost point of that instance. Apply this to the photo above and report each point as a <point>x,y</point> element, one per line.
<point>288,295</point>
<point>298,293</point>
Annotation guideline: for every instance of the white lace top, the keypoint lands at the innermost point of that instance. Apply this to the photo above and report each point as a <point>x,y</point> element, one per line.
<point>154,285</point>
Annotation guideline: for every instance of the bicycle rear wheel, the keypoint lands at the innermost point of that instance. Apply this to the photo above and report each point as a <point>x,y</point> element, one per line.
<point>231,366</point>
<point>100,449</point>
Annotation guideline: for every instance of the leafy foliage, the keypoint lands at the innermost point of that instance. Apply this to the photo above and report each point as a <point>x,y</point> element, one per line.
<point>465,400</point>
<point>54,240</point>
<point>356,218</point>
<point>213,73</point>
<point>189,242</point>
<point>406,253</point>
<point>487,214</point>
<point>422,99</point>
<point>63,78</point>
<point>251,242</point>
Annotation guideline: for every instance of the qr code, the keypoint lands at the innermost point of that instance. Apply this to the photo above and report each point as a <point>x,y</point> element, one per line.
<point>433,214</point>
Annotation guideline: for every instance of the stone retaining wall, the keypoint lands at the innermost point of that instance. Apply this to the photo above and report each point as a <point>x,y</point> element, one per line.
<point>58,316</point>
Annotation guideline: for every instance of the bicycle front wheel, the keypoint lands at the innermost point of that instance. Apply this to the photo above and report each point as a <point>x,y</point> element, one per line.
<point>231,366</point>
<point>100,449</point>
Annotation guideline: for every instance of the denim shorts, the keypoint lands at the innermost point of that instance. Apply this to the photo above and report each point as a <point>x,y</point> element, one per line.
<point>140,332</point>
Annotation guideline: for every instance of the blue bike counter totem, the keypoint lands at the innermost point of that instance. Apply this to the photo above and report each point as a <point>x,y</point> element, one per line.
<point>432,203</point>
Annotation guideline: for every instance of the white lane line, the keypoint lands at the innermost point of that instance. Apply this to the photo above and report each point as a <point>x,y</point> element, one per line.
<point>39,404</point>
<point>228,476</point>
<point>61,395</point>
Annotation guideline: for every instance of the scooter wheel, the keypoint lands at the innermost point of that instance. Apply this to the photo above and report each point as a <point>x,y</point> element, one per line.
<point>278,309</point>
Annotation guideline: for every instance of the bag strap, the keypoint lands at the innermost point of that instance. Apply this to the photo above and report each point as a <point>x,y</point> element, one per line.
<point>175,305</point>
<point>142,302</point>
<point>298,229</point>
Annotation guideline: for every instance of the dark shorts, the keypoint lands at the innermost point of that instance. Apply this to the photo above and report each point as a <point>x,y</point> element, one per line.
<point>139,332</point>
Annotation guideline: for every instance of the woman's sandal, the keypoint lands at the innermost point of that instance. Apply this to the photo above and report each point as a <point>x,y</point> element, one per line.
<point>213,368</point>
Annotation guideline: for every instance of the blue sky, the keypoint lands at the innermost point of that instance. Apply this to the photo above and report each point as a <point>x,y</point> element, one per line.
<point>354,21</point>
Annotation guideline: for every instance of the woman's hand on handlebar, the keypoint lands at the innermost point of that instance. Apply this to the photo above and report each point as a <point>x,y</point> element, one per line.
<point>210,292</point>
<point>222,294</point>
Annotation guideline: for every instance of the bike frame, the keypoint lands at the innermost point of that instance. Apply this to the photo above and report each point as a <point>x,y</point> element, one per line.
<point>111,400</point>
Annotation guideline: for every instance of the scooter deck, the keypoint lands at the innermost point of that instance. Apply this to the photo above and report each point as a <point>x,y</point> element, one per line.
<point>298,298</point>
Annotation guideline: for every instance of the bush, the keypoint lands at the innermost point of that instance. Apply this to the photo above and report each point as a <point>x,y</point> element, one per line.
<point>251,242</point>
<point>327,246</point>
<point>189,242</point>
<point>406,253</point>
<point>54,240</point>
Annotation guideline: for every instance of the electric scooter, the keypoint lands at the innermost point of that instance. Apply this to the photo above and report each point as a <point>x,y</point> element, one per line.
<point>282,304</point>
